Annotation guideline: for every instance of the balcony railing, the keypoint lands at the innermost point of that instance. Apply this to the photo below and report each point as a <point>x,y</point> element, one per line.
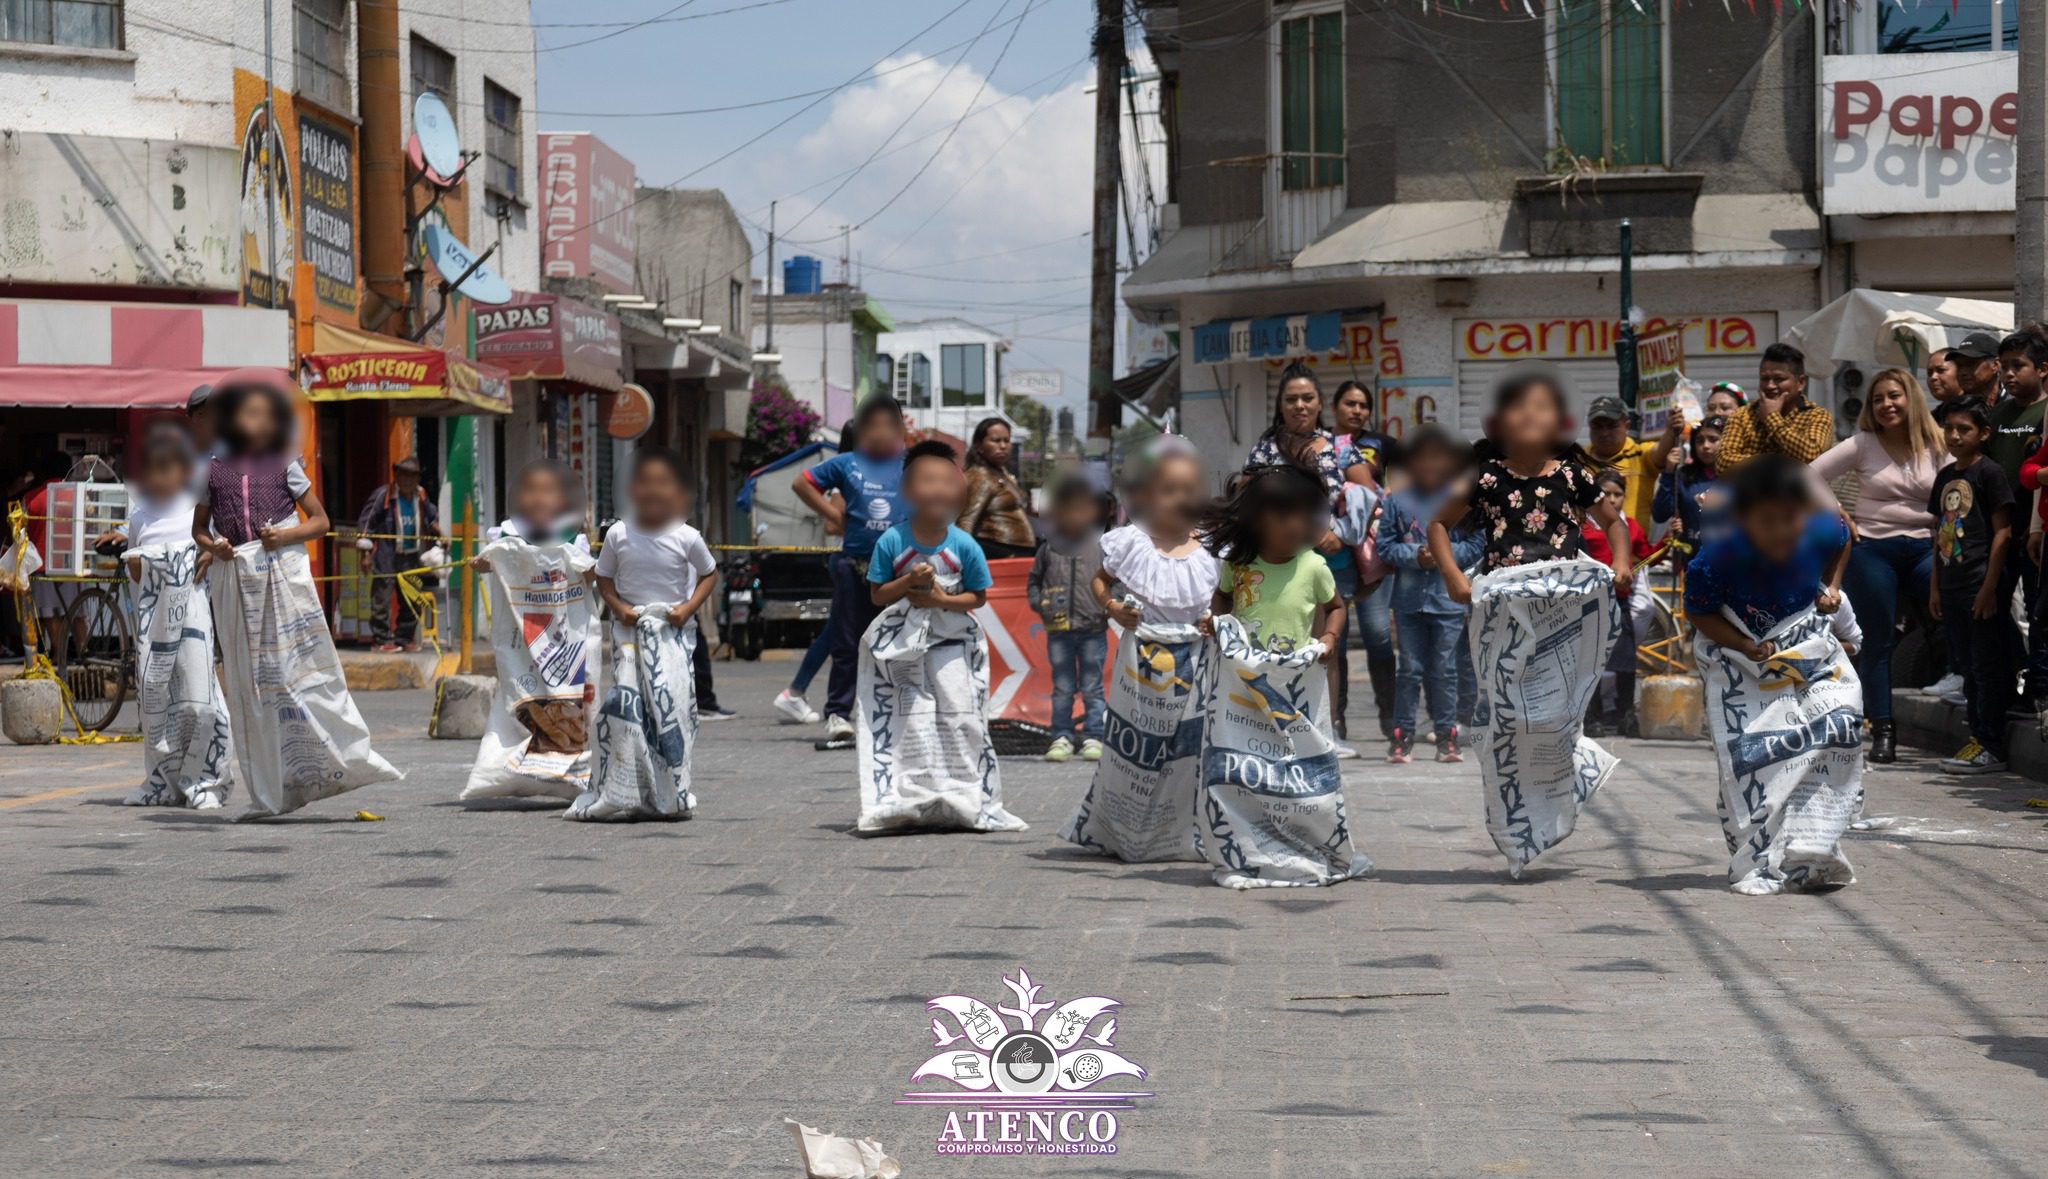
<point>1275,204</point>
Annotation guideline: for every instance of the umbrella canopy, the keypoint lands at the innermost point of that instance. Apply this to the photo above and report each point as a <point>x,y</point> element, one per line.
<point>1884,328</point>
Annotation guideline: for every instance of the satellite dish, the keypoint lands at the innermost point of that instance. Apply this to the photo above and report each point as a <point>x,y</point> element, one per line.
<point>435,128</point>
<point>419,164</point>
<point>452,258</point>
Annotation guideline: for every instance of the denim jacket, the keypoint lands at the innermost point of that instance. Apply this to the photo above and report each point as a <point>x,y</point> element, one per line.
<point>1404,533</point>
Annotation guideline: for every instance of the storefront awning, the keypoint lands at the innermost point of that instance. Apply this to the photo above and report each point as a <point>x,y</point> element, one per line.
<point>1229,340</point>
<point>129,355</point>
<point>350,365</point>
<point>550,338</point>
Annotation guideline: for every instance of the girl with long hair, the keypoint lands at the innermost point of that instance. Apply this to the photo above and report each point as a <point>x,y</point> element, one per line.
<point>1366,455</point>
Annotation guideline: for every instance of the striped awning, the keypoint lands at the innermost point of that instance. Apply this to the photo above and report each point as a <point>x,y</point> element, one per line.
<point>1272,338</point>
<point>129,355</point>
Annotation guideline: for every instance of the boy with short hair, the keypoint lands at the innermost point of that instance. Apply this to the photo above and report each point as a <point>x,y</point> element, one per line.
<point>1973,505</point>
<point>1076,626</point>
<point>868,479</point>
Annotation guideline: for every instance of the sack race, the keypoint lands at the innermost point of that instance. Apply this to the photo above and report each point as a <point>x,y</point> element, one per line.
<point>545,636</point>
<point>184,712</point>
<point>1788,737</point>
<point>1540,635</point>
<point>920,723</point>
<point>1140,806</point>
<point>646,726</point>
<point>1271,795</point>
<point>298,736</point>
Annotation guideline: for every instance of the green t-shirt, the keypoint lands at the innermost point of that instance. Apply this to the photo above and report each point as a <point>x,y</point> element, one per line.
<point>2015,436</point>
<point>1277,603</point>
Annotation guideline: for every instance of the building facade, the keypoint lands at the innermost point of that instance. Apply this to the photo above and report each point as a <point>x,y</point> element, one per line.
<point>948,373</point>
<point>1421,202</point>
<point>827,340</point>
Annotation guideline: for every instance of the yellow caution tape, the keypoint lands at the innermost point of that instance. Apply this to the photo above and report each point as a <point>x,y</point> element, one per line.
<point>40,668</point>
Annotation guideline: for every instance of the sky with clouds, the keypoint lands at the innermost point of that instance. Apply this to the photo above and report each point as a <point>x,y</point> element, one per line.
<point>961,156</point>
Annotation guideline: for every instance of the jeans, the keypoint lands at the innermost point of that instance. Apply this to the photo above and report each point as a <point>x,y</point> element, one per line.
<point>853,611</point>
<point>1881,574</point>
<point>1375,631</point>
<point>1077,657</point>
<point>1982,649</point>
<point>391,620</point>
<point>814,658</point>
<point>700,672</point>
<point>1429,662</point>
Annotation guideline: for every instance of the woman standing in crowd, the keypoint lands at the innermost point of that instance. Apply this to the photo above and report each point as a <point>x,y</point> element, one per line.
<point>1895,454</point>
<point>1360,445</point>
<point>997,516</point>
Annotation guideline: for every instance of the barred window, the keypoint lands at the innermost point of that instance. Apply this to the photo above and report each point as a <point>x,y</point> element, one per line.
<point>502,141</point>
<point>320,52</point>
<point>86,24</point>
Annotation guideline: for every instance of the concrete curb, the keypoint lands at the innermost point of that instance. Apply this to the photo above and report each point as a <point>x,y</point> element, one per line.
<point>367,671</point>
<point>1930,723</point>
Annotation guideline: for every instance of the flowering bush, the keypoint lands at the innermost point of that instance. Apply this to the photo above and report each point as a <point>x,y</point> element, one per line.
<point>777,424</point>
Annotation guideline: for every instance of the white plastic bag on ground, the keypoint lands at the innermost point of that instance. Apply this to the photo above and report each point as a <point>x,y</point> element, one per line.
<point>646,726</point>
<point>1272,795</point>
<point>830,1156</point>
<point>1788,736</point>
<point>1140,806</point>
<point>920,723</point>
<point>185,745</point>
<point>546,637</point>
<point>298,736</point>
<point>1541,634</point>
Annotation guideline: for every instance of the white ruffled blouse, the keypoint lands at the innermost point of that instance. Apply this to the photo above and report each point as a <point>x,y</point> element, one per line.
<point>1172,589</point>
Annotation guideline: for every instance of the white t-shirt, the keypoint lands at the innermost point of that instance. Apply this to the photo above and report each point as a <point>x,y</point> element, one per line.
<point>158,522</point>
<point>655,566</point>
<point>1173,589</point>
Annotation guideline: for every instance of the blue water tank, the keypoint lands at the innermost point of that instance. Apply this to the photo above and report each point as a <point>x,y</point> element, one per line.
<point>802,275</point>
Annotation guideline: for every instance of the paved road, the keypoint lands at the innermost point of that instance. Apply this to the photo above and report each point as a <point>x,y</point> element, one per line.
<point>500,992</point>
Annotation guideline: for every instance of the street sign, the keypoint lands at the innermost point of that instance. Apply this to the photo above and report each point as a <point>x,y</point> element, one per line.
<point>453,259</point>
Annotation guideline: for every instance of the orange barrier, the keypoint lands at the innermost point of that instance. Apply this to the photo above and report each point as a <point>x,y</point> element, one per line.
<point>1019,674</point>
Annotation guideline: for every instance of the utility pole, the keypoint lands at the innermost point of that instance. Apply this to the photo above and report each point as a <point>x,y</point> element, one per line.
<point>1109,76</point>
<point>2030,184</point>
<point>1625,350</point>
<point>768,288</point>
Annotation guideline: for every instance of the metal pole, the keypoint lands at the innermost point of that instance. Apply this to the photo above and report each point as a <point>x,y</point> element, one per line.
<point>768,286</point>
<point>2030,221</point>
<point>1109,72</point>
<point>274,144</point>
<point>1625,351</point>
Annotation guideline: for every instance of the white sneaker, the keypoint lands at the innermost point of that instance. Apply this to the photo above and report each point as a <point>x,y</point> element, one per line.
<point>795,709</point>
<point>1344,752</point>
<point>1091,750</point>
<point>838,734</point>
<point>1983,761</point>
<point>1061,749</point>
<point>1948,687</point>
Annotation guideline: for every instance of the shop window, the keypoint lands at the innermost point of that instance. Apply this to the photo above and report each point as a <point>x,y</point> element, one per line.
<point>501,141</point>
<point>1312,101</point>
<point>433,70</point>
<point>1607,83</point>
<point>85,24</point>
<point>963,374</point>
<point>320,52</point>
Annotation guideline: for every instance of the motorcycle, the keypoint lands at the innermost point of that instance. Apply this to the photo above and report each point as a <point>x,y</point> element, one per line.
<point>741,622</point>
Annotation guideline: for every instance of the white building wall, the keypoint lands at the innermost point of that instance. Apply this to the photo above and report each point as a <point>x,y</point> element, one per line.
<point>489,38</point>
<point>928,338</point>
<point>814,355</point>
<point>172,83</point>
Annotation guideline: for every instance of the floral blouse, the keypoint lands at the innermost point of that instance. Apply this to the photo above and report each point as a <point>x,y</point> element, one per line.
<point>1526,520</point>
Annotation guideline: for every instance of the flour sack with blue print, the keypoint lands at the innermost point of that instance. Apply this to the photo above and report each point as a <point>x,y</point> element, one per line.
<point>1271,804</point>
<point>185,745</point>
<point>298,735</point>
<point>920,722</point>
<point>1788,736</point>
<point>1540,635</point>
<point>545,637</point>
<point>646,726</point>
<point>1140,806</point>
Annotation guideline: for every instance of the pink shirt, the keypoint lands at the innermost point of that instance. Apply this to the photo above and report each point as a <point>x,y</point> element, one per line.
<point>1891,497</point>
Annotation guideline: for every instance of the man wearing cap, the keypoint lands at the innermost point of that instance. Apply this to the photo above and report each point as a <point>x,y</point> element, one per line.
<point>1611,448</point>
<point>1781,420</point>
<point>1976,365</point>
<point>400,520</point>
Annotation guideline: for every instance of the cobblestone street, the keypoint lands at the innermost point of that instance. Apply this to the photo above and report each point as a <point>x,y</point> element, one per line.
<point>498,991</point>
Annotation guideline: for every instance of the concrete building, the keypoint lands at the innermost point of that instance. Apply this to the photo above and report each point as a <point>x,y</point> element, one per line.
<point>1420,200</point>
<point>827,341</point>
<point>948,373</point>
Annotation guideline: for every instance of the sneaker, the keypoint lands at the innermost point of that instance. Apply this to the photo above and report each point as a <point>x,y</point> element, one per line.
<point>1398,750</point>
<point>1948,685</point>
<point>838,734</point>
<point>715,713</point>
<point>1061,749</point>
<point>795,709</point>
<point>1091,750</point>
<point>1982,762</point>
<point>1344,752</point>
<point>1447,746</point>
<point>387,648</point>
